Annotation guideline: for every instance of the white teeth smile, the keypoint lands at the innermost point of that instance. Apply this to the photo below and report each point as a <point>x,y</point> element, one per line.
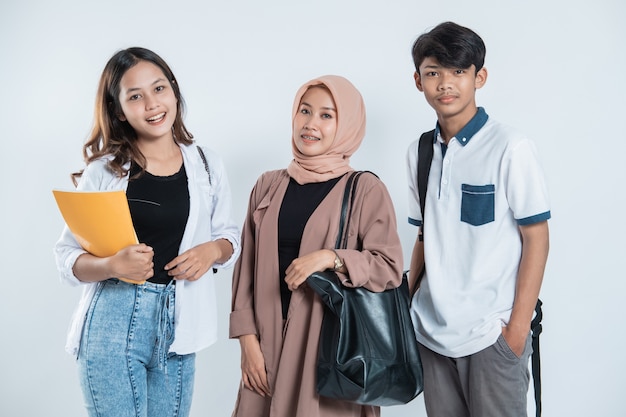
<point>156,117</point>
<point>309,137</point>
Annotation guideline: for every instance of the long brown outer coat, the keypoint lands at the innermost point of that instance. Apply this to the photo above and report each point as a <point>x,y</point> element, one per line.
<point>290,348</point>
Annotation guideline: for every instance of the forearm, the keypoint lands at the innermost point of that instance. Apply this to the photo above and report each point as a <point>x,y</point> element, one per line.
<point>535,247</point>
<point>224,249</point>
<point>300,268</point>
<point>90,268</point>
<point>416,265</point>
<point>131,263</point>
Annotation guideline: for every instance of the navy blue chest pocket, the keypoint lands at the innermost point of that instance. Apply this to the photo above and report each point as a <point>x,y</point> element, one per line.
<point>478,204</point>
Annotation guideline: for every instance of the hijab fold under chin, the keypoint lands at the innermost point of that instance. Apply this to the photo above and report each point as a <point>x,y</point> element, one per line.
<point>349,134</point>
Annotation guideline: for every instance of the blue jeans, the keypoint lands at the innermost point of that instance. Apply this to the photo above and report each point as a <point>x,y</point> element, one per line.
<point>124,365</point>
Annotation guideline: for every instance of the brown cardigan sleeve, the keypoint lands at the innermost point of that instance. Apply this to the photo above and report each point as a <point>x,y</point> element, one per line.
<point>374,257</point>
<point>242,316</point>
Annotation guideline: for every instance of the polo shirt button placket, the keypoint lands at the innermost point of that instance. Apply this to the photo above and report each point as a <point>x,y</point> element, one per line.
<point>445,175</point>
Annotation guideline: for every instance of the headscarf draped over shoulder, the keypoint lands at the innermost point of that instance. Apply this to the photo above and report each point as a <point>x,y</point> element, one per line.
<point>349,135</point>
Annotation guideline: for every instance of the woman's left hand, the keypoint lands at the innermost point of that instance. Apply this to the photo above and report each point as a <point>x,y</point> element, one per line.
<point>195,262</point>
<point>302,267</point>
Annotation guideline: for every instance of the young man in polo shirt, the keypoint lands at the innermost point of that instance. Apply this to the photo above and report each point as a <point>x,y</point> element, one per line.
<point>485,239</point>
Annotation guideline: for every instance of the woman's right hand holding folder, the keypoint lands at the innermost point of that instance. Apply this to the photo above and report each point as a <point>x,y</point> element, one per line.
<point>131,264</point>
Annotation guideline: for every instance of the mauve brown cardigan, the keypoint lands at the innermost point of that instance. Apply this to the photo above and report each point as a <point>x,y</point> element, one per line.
<point>290,348</point>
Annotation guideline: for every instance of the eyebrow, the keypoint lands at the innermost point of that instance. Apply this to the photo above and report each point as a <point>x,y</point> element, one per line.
<point>157,81</point>
<point>325,108</point>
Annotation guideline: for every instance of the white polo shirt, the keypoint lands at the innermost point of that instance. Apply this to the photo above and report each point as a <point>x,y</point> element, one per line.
<point>484,185</point>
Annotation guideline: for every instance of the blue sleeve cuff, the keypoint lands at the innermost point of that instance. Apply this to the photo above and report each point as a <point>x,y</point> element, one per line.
<point>534,219</point>
<point>415,222</point>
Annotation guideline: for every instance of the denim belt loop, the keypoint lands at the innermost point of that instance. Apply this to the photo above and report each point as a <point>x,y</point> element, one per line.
<point>165,335</point>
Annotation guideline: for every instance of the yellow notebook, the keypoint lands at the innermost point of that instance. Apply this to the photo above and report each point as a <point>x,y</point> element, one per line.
<point>99,220</point>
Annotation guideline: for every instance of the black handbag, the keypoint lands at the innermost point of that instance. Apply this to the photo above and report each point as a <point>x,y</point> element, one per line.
<point>368,352</point>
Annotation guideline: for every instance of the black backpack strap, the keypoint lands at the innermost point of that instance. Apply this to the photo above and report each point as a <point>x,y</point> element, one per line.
<point>536,328</point>
<point>204,161</point>
<point>206,167</point>
<point>424,160</point>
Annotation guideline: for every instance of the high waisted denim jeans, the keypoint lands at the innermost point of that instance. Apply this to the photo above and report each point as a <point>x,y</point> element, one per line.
<point>124,365</point>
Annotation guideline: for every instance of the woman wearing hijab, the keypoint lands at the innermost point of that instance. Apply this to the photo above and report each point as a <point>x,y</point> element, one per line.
<point>289,232</point>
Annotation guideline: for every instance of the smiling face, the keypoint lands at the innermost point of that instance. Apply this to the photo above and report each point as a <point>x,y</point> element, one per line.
<point>315,122</point>
<point>450,91</point>
<point>148,101</point>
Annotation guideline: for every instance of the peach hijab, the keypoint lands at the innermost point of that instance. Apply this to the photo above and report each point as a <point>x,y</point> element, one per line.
<point>349,135</point>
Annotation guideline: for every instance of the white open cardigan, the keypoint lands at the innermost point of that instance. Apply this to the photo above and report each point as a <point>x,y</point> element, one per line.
<point>209,219</point>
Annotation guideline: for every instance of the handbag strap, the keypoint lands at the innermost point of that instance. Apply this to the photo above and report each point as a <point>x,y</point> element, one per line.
<point>346,208</point>
<point>346,203</point>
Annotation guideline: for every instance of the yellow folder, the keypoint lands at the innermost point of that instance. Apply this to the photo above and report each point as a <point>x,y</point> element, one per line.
<point>99,220</point>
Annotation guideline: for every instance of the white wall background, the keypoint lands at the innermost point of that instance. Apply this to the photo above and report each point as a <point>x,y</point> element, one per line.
<point>556,72</point>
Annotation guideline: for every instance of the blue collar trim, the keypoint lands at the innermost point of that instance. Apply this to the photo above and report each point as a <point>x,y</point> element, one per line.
<point>470,129</point>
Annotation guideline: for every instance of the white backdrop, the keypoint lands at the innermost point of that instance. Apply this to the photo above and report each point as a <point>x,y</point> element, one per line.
<point>556,71</point>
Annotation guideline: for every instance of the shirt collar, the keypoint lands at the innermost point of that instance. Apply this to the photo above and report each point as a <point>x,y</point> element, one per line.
<point>470,129</point>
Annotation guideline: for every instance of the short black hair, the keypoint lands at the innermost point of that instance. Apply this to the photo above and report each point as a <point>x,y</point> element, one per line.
<point>452,45</point>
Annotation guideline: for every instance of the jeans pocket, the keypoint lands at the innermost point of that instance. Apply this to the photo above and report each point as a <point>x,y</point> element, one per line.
<point>478,204</point>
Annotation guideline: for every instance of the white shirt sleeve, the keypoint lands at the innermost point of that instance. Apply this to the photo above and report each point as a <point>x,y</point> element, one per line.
<point>222,225</point>
<point>415,213</point>
<point>67,249</point>
<point>526,185</point>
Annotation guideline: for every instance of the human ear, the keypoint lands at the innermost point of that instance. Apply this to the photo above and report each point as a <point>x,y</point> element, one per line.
<point>481,78</point>
<point>121,117</point>
<point>418,81</point>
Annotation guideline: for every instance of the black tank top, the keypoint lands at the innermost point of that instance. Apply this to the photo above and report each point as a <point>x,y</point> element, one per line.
<point>299,203</point>
<point>159,207</point>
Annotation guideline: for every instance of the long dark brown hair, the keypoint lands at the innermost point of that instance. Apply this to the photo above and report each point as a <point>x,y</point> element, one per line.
<point>112,136</point>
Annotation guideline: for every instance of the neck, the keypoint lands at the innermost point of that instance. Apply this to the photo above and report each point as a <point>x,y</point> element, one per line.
<point>162,157</point>
<point>161,149</point>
